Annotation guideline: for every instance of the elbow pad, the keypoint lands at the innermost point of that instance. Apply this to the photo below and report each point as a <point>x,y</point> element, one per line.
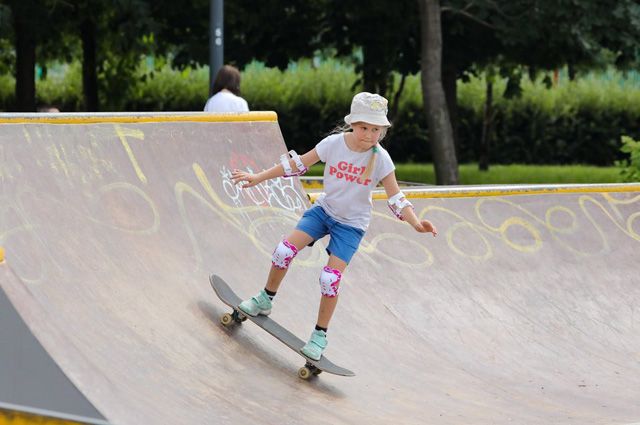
<point>284,161</point>
<point>397,203</point>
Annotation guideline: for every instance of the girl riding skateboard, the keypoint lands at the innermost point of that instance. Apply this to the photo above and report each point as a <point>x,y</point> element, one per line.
<point>354,165</point>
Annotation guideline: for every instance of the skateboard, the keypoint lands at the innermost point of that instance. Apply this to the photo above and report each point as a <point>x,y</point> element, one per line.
<point>311,367</point>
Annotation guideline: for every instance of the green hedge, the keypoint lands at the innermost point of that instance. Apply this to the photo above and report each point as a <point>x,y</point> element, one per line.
<point>578,122</point>
<point>575,122</point>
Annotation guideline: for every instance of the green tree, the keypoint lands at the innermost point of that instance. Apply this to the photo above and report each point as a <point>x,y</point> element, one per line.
<point>31,23</point>
<point>113,35</point>
<point>507,38</point>
<point>110,34</point>
<point>385,34</point>
<point>7,55</point>
<point>276,32</point>
<point>435,102</point>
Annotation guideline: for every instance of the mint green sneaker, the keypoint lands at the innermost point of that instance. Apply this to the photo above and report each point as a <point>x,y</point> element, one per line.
<point>316,345</point>
<point>260,304</point>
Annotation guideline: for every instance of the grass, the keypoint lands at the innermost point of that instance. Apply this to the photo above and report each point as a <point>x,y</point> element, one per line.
<point>508,174</point>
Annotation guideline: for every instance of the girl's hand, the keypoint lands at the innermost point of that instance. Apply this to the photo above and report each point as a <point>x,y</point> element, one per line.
<point>250,179</point>
<point>425,226</point>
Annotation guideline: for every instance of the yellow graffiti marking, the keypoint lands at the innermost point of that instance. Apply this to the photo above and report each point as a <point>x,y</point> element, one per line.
<point>517,221</point>
<point>150,229</point>
<point>224,212</point>
<point>232,215</point>
<point>632,218</point>
<point>463,224</point>
<point>62,166</point>
<point>27,136</point>
<point>555,211</point>
<point>123,133</point>
<point>206,185</point>
<point>27,230</point>
<point>372,247</point>
<point>612,200</point>
<point>535,234</point>
<point>451,231</point>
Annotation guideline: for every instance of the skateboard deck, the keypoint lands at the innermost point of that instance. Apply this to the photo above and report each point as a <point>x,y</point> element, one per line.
<point>311,368</point>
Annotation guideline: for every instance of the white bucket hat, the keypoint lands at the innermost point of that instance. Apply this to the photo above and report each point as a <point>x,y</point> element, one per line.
<point>370,108</point>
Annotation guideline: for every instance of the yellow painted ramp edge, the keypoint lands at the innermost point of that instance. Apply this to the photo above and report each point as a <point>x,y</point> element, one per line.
<point>20,415</point>
<point>435,192</point>
<point>140,117</point>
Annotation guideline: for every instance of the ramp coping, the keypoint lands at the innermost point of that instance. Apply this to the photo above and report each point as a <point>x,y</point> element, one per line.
<point>51,414</point>
<point>503,190</point>
<point>137,117</point>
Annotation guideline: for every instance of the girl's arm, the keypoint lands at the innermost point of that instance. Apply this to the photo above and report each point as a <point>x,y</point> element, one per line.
<point>391,188</point>
<point>237,176</point>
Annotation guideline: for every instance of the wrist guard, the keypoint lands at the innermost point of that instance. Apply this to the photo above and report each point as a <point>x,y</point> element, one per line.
<point>288,172</point>
<point>397,203</point>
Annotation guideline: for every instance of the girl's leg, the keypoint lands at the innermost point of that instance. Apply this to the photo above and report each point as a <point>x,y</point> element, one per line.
<point>318,341</point>
<point>328,304</point>
<point>261,303</point>
<point>300,240</point>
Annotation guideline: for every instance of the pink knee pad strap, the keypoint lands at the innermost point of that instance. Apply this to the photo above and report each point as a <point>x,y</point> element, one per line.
<point>330,282</point>
<point>284,254</point>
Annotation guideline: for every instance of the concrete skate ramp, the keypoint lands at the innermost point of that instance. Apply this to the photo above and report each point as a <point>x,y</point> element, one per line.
<point>523,310</point>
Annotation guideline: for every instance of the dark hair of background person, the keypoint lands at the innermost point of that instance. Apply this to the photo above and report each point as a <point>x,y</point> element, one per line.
<point>227,78</point>
<point>47,108</point>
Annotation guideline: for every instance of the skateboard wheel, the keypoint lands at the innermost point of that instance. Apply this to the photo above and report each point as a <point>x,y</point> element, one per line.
<point>317,372</point>
<point>304,373</point>
<point>226,319</point>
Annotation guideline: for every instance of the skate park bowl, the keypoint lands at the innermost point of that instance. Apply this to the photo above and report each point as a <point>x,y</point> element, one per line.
<point>523,310</point>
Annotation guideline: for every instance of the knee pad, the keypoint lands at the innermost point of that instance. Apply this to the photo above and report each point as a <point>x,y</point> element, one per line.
<point>284,254</point>
<point>330,282</point>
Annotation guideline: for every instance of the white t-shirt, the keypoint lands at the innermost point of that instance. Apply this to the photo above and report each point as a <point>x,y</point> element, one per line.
<point>225,101</point>
<point>347,197</point>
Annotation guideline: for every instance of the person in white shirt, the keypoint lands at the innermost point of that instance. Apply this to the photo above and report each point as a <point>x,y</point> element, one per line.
<point>354,164</point>
<point>226,92</point>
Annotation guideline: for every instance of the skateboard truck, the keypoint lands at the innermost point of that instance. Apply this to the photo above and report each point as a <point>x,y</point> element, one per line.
<point>228,319</point>
<point>308,370</point>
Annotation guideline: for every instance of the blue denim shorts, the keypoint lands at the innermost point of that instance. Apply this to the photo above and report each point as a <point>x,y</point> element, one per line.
<point>345,239</point>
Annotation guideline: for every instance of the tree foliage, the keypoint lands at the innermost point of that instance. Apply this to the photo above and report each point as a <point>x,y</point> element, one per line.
<point>109,35</point>
<point>630,167</point>
<point>274,32</point>
<point>32,23</point>
<point>382,38</point>
<point>386,34</point>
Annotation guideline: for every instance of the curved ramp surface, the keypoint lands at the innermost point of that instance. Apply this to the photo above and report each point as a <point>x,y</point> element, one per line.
<point>523,309</point>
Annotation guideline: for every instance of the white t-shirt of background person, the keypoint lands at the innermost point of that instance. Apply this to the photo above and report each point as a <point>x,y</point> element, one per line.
<point>347,195</point>
<point>225,101</point>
